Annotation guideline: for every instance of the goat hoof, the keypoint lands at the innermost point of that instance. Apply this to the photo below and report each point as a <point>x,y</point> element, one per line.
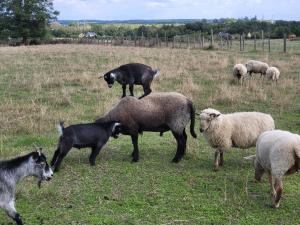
<point>175,160</point>
<point>134,160</point>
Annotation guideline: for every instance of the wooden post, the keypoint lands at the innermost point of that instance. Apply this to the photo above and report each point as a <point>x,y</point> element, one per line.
<point>243,41</point>
<point>221,42</point>
<point>156,40</point>
<point>240,42</point>
<point>254,42</point>
<point>263,40</point>
<point>200,40</point>
<point>211,38</point>
<point>166,43</point>
<point>284,43</point>
<point>135,40</point>
<point>194,40</point>
<point>188,41</point>
<point>173,42</point>
<point>269,43</point>
<point>203,41</point>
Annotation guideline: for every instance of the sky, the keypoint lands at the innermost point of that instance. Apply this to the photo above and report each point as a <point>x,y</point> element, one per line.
<point>177,9</point>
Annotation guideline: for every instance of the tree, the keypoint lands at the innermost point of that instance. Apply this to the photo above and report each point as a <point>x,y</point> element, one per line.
<point>25,18</point>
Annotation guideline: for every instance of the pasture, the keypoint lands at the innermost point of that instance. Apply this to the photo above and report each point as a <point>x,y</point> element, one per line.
<point>40,85</point>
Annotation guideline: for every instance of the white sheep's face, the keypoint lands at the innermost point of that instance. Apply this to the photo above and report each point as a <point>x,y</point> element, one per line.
<point>205,120</point>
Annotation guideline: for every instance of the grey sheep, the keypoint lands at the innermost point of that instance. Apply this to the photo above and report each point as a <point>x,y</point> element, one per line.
<point>254,66</point>
<point>157,112</point>
<point>277,154</point>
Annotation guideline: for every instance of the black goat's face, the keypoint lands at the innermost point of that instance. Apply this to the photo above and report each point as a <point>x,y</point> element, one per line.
<point>116,130</point>
<point>41,167</point>
<point>110,78</point>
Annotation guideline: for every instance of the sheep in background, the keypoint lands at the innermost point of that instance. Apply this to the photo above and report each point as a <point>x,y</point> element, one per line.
<point>239,72</point>
<point>239,130</point>
<point>273,73</point>
<point>254,66</point>
<point>278,154</point>
<point>157,112</point>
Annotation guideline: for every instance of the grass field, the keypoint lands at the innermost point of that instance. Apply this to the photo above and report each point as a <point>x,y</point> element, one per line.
<point>41,85</point>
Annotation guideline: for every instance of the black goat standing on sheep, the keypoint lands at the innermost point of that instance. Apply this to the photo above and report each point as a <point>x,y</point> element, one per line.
<point>93,135</point>
<point>130,74</point>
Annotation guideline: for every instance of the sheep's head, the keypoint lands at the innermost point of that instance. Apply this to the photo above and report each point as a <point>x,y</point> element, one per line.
<point>116,130</point>
<point>206,118</point>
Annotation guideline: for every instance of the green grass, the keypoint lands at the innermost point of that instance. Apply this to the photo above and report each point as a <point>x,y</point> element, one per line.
<point>41,85</point>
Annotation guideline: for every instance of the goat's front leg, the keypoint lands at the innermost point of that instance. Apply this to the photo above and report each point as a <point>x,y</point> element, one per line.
<point>124,90</point>
<point>95,152</point>
<point>56,153</point>
<point>135,153</point>
<point>131,89</point>
<point>12,213</point>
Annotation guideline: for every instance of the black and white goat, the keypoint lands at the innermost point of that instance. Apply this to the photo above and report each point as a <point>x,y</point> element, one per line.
<point>130,74</point>
<point>12,171</point>
<point>93,135</point>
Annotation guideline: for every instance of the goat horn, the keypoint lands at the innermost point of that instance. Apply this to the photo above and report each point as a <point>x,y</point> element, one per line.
<point>38,149</point>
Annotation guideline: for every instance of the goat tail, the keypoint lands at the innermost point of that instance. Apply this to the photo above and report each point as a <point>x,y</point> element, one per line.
<point>156,73</point>
<point>192,115</point>
<point>60,128</point>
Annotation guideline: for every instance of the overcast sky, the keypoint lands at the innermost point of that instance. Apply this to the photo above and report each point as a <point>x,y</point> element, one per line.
<point>177,9</point>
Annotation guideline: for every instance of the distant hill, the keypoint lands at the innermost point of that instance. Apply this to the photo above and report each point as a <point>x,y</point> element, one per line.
<point>167,21</point>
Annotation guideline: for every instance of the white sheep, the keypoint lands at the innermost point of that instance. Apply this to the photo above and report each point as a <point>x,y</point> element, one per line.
<point>240,130</point>
<point>239,72</point>
<point>273,73</point>
<point>254,66</point>
<point>278,154</point>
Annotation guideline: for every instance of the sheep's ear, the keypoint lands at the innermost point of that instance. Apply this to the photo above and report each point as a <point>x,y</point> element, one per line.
<point>250,157</point>
<point>214,115</point>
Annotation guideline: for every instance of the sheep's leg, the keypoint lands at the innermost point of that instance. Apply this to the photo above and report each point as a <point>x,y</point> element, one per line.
<point>131,89</point>
<point>278,188</point>
<point>12,213</point>
<point>184,141</point>
<point>135,153</point>
<point>95,151</point>
<point>221,160</point>
<point>259,172</point>
<point>124,90</point>
<point>180,147</point>
<point>56,153</point>
<point>217,159</point>
<point>272,189</point>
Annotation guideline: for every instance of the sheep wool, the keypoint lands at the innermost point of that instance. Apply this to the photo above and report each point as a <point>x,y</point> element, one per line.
<point>239,130</point>
<point>239,71</point>
<point>254,66</point>
<point>273,73</point>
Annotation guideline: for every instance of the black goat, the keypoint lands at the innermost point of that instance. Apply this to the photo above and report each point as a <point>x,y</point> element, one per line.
<point>133,73</point>
<point>93,135</point>
<point>12,171</point>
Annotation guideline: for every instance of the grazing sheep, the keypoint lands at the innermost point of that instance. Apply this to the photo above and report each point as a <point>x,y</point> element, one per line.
<point>239,72</point>
<point>239,130</point>
<point>93,135</point>
<point>254,66</point>
<point>273,73</point>
<point>12,171</point>
<point>278,154</point>
<point>157,112</point>
<point>132,73</point>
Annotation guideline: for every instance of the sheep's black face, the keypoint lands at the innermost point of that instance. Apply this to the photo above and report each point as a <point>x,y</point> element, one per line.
<point>110,78</point>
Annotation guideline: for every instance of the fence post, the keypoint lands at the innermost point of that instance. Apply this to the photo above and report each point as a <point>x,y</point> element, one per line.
<point>203,40</point>
<point>188,41</point>
<point>211,38</point>
<point>284,43</point>
<point>200,39</point>
<point>194,40</point>
<point>221,42</point>
<point>243,41</point>
<point>269,43</point>
<point>263,40</point>
<point>173,42</point>
<point>240,42</point>
<point>254,42</point>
